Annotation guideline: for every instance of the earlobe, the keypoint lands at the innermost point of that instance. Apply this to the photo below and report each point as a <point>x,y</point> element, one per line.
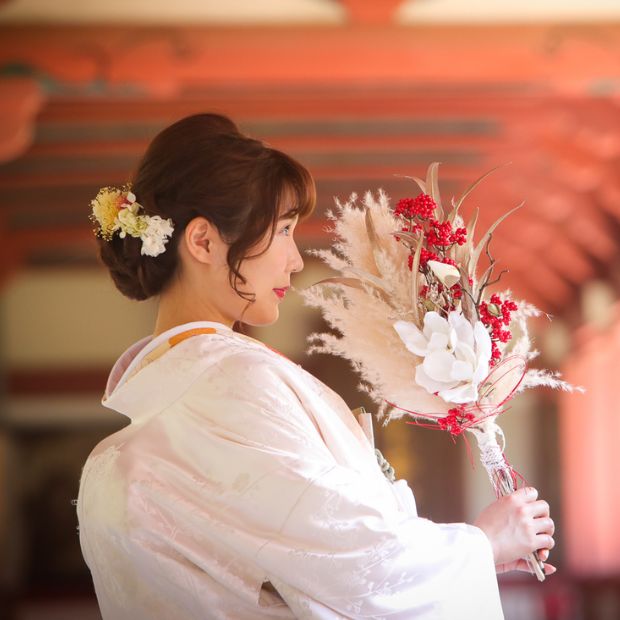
<point>198,235</point>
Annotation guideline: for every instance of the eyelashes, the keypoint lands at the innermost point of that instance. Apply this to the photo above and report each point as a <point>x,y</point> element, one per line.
<point>289,228</point>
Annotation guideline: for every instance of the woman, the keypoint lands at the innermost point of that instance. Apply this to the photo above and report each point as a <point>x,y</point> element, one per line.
<point>243,487</point>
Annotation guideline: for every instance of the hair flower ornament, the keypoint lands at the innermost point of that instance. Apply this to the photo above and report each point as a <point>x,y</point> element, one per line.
<point>115,210</point>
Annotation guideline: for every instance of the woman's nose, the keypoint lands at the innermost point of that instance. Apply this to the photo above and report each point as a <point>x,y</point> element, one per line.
<point>296,261</point>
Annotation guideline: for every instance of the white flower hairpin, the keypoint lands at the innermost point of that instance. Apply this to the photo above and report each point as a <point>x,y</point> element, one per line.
<point>116,210</point>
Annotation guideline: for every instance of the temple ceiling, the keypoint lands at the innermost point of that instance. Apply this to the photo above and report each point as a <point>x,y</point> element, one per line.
<point>362,104</point>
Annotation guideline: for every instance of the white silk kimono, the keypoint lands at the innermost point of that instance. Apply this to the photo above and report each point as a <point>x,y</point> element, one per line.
<point>244,489</point>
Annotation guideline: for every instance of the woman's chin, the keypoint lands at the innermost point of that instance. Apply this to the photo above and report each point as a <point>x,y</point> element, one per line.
<point>262,319</point>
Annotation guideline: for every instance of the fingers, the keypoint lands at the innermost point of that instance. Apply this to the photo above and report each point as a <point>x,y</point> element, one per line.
<point>544,526</point>
<point>539,508</point>
<point>543,541</point>
<point>517,525</point>
<point>543,538</point>
<point>526,494</point>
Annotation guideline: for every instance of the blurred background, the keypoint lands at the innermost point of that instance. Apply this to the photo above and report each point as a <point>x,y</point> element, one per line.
<point>361,91</point>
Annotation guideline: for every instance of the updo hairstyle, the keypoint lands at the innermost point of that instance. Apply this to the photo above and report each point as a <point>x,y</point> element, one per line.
<point>204,166</point>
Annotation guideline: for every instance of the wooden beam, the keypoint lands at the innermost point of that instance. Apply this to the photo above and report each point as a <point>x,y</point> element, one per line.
<point>164,61</point>
<point>299,103</point>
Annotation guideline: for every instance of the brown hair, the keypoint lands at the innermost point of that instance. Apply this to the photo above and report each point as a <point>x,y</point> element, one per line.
<point>204,166</point>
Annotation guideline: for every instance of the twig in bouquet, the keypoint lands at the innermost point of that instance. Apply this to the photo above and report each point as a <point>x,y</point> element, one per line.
<point>473,302</point>
<point>499,277</point>
<point>484,281</point>
<point>486,278</point>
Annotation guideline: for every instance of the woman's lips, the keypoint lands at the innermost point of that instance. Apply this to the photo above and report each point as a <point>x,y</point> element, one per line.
<point>280,292</point>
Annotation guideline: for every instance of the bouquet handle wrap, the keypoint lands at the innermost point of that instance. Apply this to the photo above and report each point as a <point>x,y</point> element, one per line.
<point>503,478</point>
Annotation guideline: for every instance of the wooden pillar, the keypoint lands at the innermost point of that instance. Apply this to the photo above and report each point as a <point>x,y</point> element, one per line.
<point>590,454</point>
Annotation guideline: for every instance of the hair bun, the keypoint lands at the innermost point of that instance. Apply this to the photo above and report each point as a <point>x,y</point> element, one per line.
<point>125,263</point>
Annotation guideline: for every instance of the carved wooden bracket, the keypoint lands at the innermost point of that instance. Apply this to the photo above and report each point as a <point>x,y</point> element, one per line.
<point>371,11</point>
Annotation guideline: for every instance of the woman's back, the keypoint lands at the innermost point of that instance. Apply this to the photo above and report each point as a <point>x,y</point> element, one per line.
<point>153,523</point>
<point>239,468</point>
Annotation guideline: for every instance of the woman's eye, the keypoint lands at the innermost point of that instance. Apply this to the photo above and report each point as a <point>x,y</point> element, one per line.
<point>286,230</point>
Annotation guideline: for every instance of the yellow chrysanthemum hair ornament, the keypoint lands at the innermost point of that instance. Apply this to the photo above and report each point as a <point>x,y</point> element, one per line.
<point>115,210</point>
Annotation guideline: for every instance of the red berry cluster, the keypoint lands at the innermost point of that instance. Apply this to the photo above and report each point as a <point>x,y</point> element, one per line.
<point>455,420</point>
<point>422,206</point>
<point>416,215</point>
<point>442,234</point>
<point>438,235</point>
<point>496,315</point>
<point>426,255</point>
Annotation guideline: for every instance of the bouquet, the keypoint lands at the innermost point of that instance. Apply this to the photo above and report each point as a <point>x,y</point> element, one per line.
<point>415,318</point>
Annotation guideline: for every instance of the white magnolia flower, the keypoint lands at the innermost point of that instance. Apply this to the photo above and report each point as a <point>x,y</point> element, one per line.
<point>456,355</point>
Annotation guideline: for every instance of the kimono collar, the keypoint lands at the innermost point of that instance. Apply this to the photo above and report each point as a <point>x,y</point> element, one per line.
<point>148,349</point>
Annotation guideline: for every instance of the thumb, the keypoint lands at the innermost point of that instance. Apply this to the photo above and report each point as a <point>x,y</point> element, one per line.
<point>528,494</point>
<point>522,565</point>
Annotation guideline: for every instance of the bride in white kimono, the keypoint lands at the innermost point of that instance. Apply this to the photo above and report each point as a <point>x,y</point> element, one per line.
<point>243,487</point>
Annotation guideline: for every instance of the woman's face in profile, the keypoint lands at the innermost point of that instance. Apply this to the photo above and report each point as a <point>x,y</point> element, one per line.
<point>267,271</point>
<point>268,274</point>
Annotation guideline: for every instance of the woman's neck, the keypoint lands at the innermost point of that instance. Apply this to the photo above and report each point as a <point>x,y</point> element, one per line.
<point>177,309</point>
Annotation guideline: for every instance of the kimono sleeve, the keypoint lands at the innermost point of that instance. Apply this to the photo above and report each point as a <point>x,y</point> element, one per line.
<point>325,535</point>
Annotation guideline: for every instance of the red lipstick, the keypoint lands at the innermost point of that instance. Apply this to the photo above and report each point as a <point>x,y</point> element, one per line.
<point>280,292</point>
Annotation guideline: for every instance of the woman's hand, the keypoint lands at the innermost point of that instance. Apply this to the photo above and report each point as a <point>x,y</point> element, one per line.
<point>518,525</point>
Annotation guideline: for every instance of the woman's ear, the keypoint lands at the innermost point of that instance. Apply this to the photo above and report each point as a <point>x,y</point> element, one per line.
<point>200,237</point>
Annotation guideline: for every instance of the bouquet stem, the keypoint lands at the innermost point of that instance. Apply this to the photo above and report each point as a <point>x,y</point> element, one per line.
<point>503,479</point>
